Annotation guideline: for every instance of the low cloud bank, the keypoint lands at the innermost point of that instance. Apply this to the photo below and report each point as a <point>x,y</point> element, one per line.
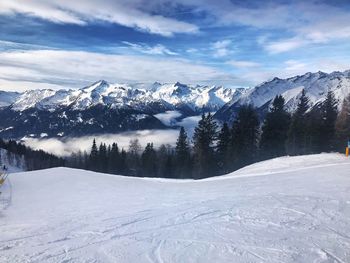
<point>172,118</point>
<point>66,146</point>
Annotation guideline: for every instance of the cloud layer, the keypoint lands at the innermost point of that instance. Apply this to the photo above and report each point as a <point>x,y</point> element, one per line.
<point>60,67</point>
<point>64,43</point>
<point>65,147</point>
<point>126,13</point>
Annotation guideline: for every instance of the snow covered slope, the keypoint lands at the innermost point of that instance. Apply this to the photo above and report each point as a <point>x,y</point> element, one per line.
<point>316,86</point>
<point>291,209</point>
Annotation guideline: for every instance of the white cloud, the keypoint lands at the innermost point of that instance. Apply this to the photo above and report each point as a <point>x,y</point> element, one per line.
<point>192,50</point>
<point>284,45</point>
<point>291,68</point>
<point>222,48</point>
<point>122,12</point>
<point>169,118</point>
<point>243,64</point>
<point>63,68</point>
<point>295,66</point>
<point>151,50</point>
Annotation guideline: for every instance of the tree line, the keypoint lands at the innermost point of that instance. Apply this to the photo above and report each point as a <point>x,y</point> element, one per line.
<point>23,156</point>
<point>216,150</point>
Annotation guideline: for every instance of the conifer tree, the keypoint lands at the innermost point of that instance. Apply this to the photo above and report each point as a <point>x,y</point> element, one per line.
<point>182,155</point>
<point>114,159</point>
<point>149,161</point>
<point>342,125</point>
<point>297,134</point>
<point>314,130</point>
<point>123,167</point>
<point>329,117</point>
<point>245,135</point>
<point>223,148</point>
<point>205,134</point>
<point>93,160</point>
<point>275,130</point>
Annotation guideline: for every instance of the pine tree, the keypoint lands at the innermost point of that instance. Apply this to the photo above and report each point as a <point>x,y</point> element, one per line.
<point>275,130</point>
<point>223,148</point>
<point>123,167</point>
<point>102,158</point>
<point>245,135</point>
<point>114,159</point>
<point>342,126</point>
<point>329,117</point>
<point>182,155</point>
<point>93,160</point>
<point>149,161</point>
<point>297,134</point>
<point>205,134</point>
<point>314,130</point>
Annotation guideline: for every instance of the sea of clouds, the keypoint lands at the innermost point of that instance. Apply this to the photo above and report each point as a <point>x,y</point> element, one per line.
<point>67,145</point>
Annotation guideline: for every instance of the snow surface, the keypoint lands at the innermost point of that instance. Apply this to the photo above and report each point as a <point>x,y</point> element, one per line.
<point>290,209</point>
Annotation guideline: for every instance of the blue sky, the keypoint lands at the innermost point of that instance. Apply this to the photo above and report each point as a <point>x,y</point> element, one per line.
<point>69,44</point>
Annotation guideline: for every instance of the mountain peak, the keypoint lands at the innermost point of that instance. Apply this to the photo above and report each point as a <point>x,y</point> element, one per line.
<point>97,84</point>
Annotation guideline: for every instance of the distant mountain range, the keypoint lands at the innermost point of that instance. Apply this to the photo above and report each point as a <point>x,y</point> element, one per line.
<point>110,108</point>
<point>316,86</point>
<point>103,108</point>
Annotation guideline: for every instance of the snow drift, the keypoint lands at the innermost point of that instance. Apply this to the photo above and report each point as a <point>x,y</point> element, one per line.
<point>290,209</point>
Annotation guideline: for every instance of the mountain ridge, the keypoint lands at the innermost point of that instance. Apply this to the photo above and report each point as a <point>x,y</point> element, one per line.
<point>316,86</point>
<point>103,107</point>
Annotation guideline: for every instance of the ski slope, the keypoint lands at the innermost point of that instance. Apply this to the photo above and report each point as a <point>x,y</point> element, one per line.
<point>290,209</point>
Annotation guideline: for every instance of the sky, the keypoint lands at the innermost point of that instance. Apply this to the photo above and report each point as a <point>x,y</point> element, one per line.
<point>71,44</point>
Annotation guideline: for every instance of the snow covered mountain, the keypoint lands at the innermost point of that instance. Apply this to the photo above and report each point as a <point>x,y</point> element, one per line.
<point>103,107</point>
<point>316,86</point>
<point>156,97</point>
<point>289,209</point>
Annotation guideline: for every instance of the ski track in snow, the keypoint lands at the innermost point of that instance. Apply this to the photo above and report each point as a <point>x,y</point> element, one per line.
<point>298,214</point>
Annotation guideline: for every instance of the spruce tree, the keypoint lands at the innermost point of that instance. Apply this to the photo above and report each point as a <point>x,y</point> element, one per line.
<point>93,160</point>
<point>182,155</point>
<point>223,148</point>
<point>245,135</point>
<point>205,134</point>
<point>297,134</point>
<point>149,161</point>
<point>123,167</point>
<point>342,125</point>
<point>113,159</point>
<point>102,158</point>
<point>314,129</point>
<point>275,130</point>
<point>329,117</point>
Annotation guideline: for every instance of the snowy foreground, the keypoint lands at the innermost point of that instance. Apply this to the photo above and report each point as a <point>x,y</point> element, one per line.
<point>283,210</point>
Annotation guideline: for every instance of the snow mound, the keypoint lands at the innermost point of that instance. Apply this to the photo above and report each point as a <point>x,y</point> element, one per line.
<point>290,209</point>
